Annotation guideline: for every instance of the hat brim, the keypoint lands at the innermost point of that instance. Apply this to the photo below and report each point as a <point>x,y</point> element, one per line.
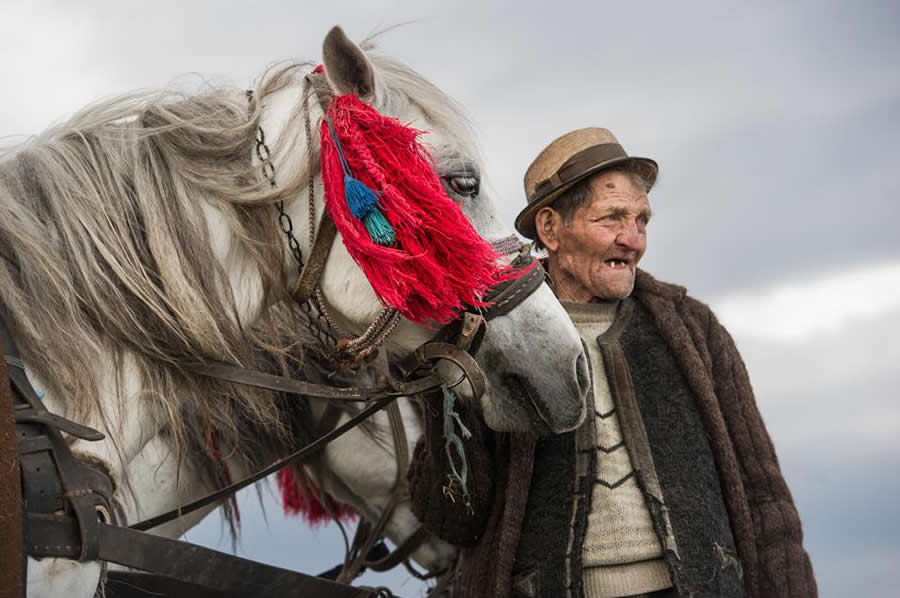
<point>646,167</point>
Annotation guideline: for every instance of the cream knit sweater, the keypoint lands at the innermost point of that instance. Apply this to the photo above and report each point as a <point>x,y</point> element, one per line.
<point>622,555</point>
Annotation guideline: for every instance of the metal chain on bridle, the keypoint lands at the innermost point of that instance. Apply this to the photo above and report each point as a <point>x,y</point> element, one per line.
<point>267,167</point>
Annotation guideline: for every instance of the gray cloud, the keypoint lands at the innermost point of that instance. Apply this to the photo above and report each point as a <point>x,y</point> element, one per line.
<point>830,405</point>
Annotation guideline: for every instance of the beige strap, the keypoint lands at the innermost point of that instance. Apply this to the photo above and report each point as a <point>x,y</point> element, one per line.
<point>312,271</point>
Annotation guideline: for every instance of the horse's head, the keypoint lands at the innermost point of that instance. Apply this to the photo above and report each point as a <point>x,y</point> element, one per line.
<point>536,373</point>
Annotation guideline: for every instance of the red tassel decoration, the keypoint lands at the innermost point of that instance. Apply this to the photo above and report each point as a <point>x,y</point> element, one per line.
<point>213,445</point>
<point>299,496</point>
<point>437,262</point>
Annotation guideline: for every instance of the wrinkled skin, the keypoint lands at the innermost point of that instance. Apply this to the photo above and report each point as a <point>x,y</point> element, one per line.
<point>595,255</point>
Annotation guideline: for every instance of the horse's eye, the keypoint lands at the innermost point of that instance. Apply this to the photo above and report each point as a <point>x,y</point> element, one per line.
<point>465,185</point>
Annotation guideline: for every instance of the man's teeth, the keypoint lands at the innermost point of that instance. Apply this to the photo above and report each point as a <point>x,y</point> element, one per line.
<point>616,263</point>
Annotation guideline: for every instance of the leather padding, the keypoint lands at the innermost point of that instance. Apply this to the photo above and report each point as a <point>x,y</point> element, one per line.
<point>12,571</point>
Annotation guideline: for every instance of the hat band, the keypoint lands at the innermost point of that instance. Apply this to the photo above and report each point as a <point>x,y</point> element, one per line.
<point>578,164</point>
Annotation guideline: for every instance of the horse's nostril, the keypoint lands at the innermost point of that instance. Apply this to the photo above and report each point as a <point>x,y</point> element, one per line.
<point>582,374</point>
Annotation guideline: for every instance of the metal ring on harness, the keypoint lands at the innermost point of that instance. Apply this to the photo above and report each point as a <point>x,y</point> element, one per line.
<point>429,353</point>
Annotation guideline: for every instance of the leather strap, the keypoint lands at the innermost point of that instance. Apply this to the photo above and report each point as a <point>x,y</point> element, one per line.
<point>57,480</point>
<point>192,564</point>
<point>401,553</point>
<point>312,271</point>
<point>378,398</point>
<point>52,420</point>
<point>320,85</point>
<point>12,571</point>
<point>507,295</point>
<point>434,351</point>
<point>240,375</point>
<point>133,584</point>
<point>307,451</point>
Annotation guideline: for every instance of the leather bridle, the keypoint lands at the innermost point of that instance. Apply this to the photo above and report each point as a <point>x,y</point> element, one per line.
<point>68,502</point>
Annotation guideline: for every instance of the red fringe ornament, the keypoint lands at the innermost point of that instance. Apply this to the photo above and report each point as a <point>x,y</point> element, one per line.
<point>213,445</point>
<point>414,244</point>
<point>299,496</point>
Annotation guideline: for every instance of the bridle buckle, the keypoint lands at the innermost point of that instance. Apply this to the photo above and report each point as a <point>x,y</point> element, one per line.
<point>472,323</point>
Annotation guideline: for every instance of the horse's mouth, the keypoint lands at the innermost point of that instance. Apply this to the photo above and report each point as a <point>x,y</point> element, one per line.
<point>527,398</point>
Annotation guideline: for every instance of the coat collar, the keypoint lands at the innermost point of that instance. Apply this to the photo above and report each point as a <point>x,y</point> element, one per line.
<point>645,284</point>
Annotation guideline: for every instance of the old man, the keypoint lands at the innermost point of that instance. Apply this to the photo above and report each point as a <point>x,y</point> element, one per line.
<point>671,487</point>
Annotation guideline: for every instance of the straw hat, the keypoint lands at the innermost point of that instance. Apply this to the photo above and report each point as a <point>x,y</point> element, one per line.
<point>569,159</point>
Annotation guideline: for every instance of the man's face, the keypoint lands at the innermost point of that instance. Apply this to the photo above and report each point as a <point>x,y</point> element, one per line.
<point>597,253</point>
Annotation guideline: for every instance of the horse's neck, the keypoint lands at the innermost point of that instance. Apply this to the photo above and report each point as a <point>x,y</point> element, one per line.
<point>161,482</point>
<point>127,420</point>
<point>244,278</point>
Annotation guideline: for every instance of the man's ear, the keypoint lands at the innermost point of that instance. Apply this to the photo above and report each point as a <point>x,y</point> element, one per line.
<point>547,222</point>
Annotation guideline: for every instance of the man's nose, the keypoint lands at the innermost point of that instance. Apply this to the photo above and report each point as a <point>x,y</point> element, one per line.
<point>630,237</point>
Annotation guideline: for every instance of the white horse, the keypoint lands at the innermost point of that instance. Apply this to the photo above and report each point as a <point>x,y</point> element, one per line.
<point>138,237</point>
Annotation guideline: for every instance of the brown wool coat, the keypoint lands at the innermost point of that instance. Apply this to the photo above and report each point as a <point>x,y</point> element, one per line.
<point>764,521</point>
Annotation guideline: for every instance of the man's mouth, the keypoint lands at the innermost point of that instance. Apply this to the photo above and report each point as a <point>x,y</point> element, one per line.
<point>618,263</point>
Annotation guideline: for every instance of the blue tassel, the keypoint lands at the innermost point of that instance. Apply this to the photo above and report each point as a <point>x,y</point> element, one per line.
<point>379,229</point>
<point>360,199</point>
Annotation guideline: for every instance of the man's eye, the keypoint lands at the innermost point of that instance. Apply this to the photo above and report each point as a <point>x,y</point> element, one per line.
<point>467,186</point>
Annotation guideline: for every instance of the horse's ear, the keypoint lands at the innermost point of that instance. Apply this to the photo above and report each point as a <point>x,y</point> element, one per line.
<point>347,67</point>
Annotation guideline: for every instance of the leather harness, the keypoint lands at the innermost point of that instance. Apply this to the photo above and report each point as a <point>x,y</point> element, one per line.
<point>68,502</point>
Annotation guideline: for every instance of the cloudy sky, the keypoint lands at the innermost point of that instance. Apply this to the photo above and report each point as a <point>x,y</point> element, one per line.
<point>775,126</point>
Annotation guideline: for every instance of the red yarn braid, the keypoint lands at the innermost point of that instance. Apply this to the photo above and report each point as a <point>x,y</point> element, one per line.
<point>299,496</point>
